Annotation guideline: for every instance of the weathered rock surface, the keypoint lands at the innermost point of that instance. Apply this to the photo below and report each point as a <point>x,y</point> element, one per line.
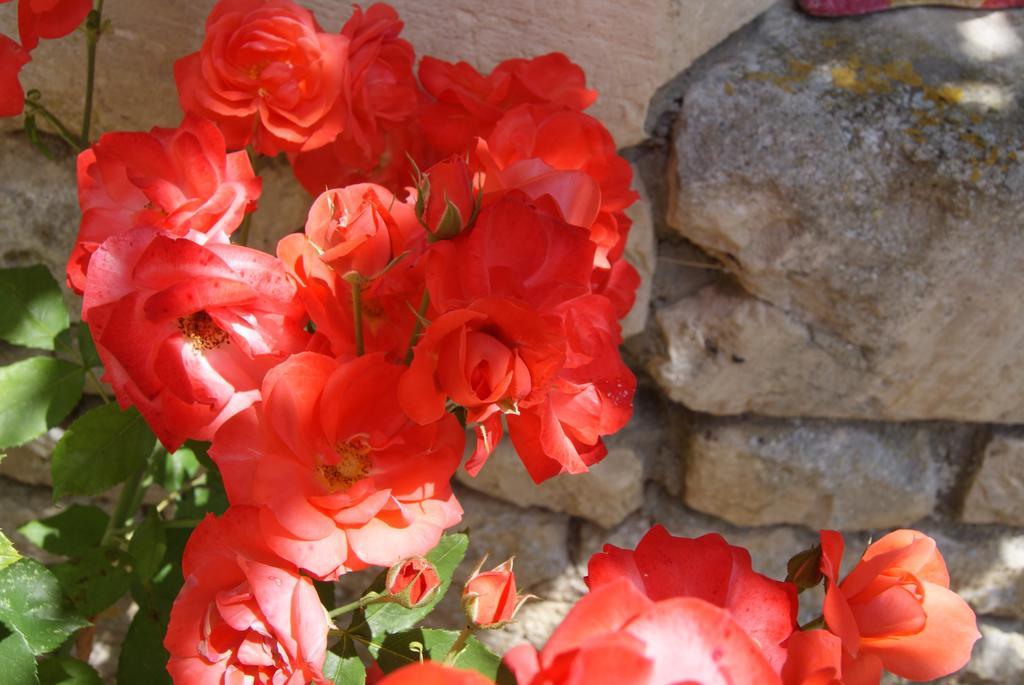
<point>608,493</point>
<point>628,49</point>
<point>862,180</point>
<point>818,474</point>
<point>642,253</point>
<point>997,493</point>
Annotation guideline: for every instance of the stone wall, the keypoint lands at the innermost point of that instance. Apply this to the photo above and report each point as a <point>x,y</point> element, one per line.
<point>832,335</point>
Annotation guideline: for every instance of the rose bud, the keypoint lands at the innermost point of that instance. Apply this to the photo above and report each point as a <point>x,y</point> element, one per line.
<point>490,599</point>
<point>446,203</point>
<point>412,583</point>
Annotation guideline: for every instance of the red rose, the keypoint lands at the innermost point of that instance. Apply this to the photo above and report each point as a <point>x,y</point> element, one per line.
<point>267,72</point>
<point>412,582</point>
<point>186,331</point>
<point>446,202</point>
<point>49,19</point>
<point>243,614</point>
<point>388,303</point>
<point>512,251</point>
<point>468,104</point>
<point>433,673</point>
<point>360,228</point>
<point>12,58</point>
<point>489,599</point>
<point>707,568</point>
<point>179,181</point>
<point>382,95</point>
<point>616,634</point>
<point>817,657</point>
<point>896,607</point>
<point>590,397</point>
<point>342,478</point>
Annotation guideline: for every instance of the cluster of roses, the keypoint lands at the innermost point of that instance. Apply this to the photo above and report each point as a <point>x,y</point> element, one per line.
<point>336,380</point>
<point>36,19</point>
<point>693,610</point>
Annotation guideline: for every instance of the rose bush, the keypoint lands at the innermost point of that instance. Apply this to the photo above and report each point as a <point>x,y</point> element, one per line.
<point>461,271</point>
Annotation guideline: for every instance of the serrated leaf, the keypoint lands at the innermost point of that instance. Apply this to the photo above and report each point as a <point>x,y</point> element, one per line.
<point>35,395</point>
<point>148,547</point>
<point>99,450</point>
<point>71,533</point>
<point>143,657</point>
<point>17,664</point>
<point>8,555</point>
<point>63,670</point>
<point>33,605</point>
<point>94,582</point>
<point>380,619</point>
<point>87,348</point>
<point>33,312</point>
<point>344,670</point>
<point>397,651</point>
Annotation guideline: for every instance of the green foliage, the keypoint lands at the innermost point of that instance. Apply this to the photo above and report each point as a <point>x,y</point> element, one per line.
<point>62,670</point>
<point>401,649</point>
<point>148,547</point>
<point>73,532</point>
<point>33,606</point>
<point>33,312</point>
<point>35,395</point>
<point>99,450</point>
<point>180,467</point>
<point>8,555</point>
<point>143,657</point>
<point>87,348</point>
<point>17,664</point>
<point>95,581</point>
<point>381,619</point>
<point>344,669</point>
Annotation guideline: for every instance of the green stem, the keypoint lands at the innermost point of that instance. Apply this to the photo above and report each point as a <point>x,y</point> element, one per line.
<point>99,386</point>
<point>243,230</point>
<point>182,523</point>
<point>458,645</point>
<point>93,29</point>
<point>358,604</point>
<point>62,130</point>
<point>132,489</point>
<point>357,313</point>
<point>418,328</point>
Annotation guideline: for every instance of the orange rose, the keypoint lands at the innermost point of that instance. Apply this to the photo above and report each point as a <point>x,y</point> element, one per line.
<point>896,606</point>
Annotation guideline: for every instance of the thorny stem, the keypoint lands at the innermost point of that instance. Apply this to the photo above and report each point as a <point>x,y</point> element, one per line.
<point>458,645</point>
<point>418,328</point>
<point>93,29</point>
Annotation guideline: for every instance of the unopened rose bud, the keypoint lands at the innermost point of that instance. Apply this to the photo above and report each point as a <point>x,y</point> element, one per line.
<point>804,569</point>
<point>413,582</point>
<point>446,203</point>
<point>490,599</point>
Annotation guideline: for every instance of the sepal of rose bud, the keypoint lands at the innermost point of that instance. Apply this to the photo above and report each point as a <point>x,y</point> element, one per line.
<point>412,583</point>
<point>446,203</point>
<point>489,598</point>
<point>804,569</point>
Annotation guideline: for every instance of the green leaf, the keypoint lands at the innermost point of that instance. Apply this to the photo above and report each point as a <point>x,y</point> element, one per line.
<point>99,450</point>
<point>143,657</point>
<point>35,395</point>
<point>378,620</point>
<point>71,533</point>
<point>87,348</point>
<point>8,555</point>
<point>205,498</point>
<point>181,466</point>
<point>344,670</point>
<point>148,547</point>
<point>17,664</point>
<point>94,582</point>
<point>32,605</point>
<point>63,670</point>
<point>33,312</point>
<point>400,649</point>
